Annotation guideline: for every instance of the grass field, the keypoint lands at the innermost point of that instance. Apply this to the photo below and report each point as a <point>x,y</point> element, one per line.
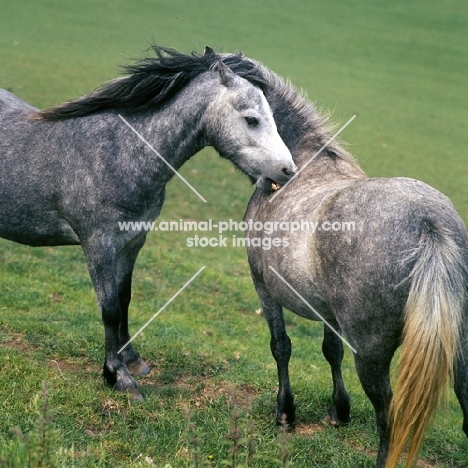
<point>401,67</point>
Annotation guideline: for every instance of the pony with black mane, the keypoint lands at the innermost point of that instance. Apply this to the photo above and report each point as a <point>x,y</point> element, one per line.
<point>69,174</point>
<point>400,277</point>
<point>150,83</point>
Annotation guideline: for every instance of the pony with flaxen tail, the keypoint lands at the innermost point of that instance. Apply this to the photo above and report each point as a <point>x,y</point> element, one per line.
<point>434,312</point>
<point>399,277</point>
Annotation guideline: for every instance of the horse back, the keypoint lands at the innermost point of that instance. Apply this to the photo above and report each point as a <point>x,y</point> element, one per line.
<point>365,271</point>
<point>356,256</point>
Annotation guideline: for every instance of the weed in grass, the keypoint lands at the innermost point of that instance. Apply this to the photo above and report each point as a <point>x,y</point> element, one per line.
<point>41,446</point>
<point>250,444</point>
<point>242,451</point>
<point>240,437</point>
<point>284,442</point>
<point>193,439</point>
<point>235,437</point>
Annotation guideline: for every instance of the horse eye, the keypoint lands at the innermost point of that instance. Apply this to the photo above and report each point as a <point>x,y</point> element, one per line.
<point>252,121</point>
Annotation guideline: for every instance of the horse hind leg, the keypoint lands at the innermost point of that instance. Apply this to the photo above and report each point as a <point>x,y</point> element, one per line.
<point>124,269</point>
<point>374,375</point>
<point>332,348</point>
<point>461,380</point>
<point>280,346</point>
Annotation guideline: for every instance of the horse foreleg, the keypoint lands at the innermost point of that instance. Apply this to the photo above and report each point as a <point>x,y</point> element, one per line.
<point>332,348</point>
<point>124,269</point>
<point>280,345</point>
<point>101,262</point>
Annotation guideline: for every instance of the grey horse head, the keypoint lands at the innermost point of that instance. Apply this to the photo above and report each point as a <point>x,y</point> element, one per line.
<point>248,135</point>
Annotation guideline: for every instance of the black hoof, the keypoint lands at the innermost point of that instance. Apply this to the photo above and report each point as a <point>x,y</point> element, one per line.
<point>109,376</point>
<point>333,419</point>
<point>122,381</point>
<point>285,418</point>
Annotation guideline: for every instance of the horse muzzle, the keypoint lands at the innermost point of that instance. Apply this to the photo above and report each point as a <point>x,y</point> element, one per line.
<point>271,182</point>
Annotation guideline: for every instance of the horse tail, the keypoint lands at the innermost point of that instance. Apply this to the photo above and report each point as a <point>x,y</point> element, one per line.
<point>431,337</point>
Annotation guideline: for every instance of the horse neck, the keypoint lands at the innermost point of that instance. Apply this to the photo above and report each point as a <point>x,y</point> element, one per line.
<point>176,131</point>
<point>312,146</point>
<point>324,167</point>
<point>306,135</point>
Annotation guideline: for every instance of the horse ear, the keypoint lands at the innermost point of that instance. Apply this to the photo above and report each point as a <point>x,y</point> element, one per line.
<point>208,51</point>
<point>225,73</point>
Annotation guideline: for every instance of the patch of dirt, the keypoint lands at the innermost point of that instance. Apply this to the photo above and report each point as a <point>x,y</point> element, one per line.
<point>204,392</point>
<point>307,430</point>
<point>92,432</point>
<point>201,391</point>
<point>56,297</point>
<point>18,342</point>
<point>69,367</point>
<point>111,405</point>
<point>421,463</point>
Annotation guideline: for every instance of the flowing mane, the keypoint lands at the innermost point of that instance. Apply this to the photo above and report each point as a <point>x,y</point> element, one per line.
<point>151,82</point>
<point>297,119</point>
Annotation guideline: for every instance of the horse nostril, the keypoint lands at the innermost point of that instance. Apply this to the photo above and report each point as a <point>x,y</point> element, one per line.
<point>290,170</point>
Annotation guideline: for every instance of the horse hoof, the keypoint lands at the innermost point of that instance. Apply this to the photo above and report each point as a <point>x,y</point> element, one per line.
<point>335,422</point>
<point>285,419</point>
<point>138,368</point>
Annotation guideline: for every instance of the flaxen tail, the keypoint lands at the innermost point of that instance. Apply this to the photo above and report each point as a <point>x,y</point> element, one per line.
<point>431,338</point>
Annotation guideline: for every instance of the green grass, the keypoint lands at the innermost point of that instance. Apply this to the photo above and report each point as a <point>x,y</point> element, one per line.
<point>400,66</point>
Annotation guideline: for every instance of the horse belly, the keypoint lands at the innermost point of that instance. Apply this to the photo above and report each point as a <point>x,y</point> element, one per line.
<point>311,308</point>
<point>29,212</point>
<point>36,228</point>
<point>301,296</point>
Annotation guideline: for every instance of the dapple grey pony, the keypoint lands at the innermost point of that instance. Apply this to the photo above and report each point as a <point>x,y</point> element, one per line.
<point>71,173</point>
<point>400,277</point>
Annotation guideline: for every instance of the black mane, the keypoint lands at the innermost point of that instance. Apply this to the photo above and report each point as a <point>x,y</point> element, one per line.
<point>151,82</point>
